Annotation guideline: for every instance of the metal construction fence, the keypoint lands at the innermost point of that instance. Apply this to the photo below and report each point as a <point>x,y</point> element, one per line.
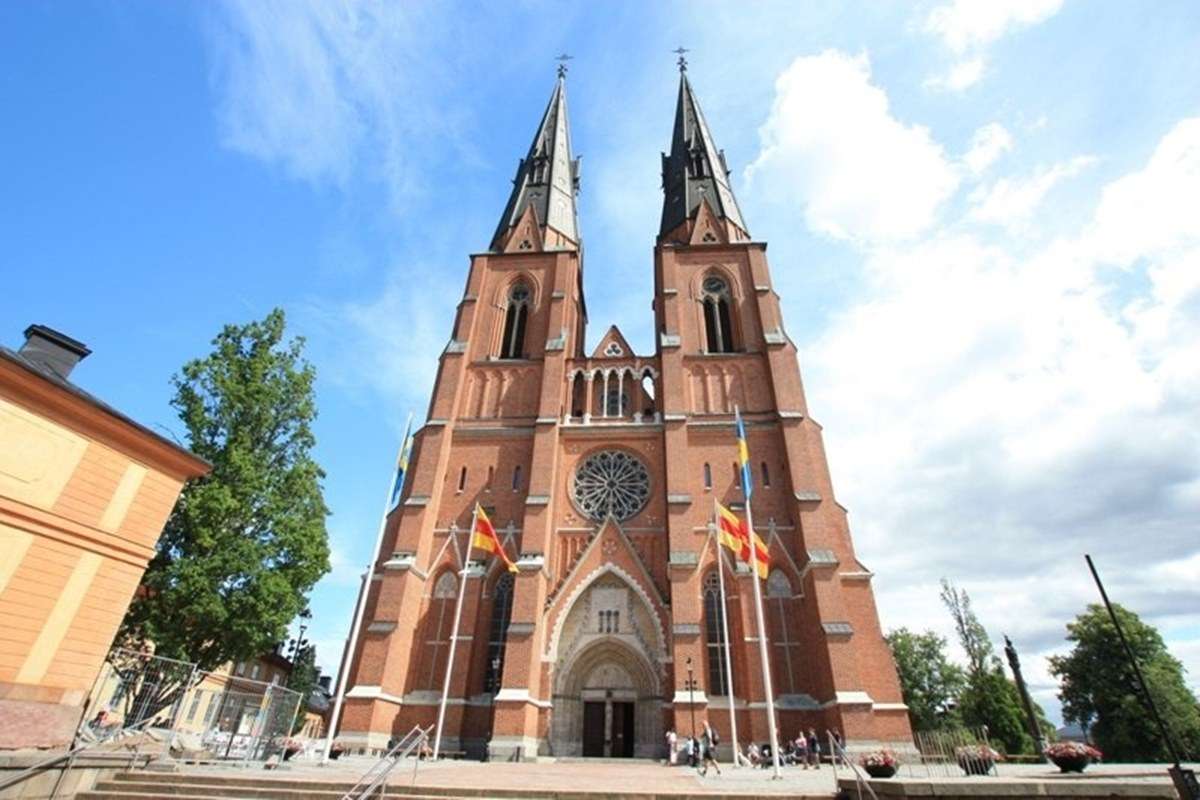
<point>193,713</point>
<point>941,753</point>
<point>950,752</point>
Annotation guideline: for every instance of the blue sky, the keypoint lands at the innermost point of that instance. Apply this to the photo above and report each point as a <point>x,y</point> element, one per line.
<point>981,217</point>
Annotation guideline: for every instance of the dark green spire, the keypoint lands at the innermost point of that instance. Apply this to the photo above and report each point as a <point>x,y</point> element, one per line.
<point>547,181</point>
<point>695,170</point>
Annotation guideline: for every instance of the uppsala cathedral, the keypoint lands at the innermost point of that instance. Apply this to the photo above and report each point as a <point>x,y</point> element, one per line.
<point>598,470</point>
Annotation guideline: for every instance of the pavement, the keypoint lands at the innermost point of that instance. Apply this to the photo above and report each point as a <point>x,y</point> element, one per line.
<point>639,778</point>
<point>608,776</point>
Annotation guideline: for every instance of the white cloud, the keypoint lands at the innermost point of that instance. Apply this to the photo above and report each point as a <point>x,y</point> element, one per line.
<point>968,27</point>
<point>987,145</point>
<point>317,87</point>
<point>832,146</point>
<point>1007,409</point>
<point>1154,210</point>
<point>966,24</point>
<point>961,75</point>
<point>1011,201</point>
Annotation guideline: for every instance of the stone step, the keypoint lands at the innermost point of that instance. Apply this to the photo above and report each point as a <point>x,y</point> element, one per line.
<point>217,790</point>
<point>107,794</point>
<point>163,793</point>
<point>241,785</point>
<point>249,786</point>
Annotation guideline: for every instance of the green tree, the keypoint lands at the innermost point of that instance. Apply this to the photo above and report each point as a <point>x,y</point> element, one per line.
<point>303,679</point>
<point>931,683</point>
<point>989,699</point>
<point>1099,691</point>
<point>245,543</point>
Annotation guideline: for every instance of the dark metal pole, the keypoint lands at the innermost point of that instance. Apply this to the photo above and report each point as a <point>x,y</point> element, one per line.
<point>1039,741</point>
<point>1185,780</point>
<point>691,685</point>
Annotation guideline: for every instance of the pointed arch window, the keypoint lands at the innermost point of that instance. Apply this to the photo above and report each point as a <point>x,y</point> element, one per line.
<point>438,621</point>
<point>714,635</point>
<point>779,601</point>
<point>615,401</point>
<point>498,632</point>
<point>516,317</point>
<point>718,316</point>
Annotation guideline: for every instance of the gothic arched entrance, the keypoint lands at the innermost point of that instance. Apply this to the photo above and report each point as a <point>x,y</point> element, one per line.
<point>607,684</point>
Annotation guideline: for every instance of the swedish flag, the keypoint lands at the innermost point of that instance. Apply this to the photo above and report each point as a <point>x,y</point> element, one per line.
<point>402,463</point>
<point>743,455</point>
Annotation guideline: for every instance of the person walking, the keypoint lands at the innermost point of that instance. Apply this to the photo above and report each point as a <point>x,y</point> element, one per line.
<point>839,749</point>
<point>672,753</point>
<point>709,739</point>
<point>801,750</point>
<point>689,750</point>
<point>814,748</point>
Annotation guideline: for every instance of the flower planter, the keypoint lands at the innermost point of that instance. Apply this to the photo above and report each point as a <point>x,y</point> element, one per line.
<point>287,754</point>
<point>1072,756</point>
<point>334,755</point>
<point>880,770</point>
<point>976,766</point>
<point>1071,763</point>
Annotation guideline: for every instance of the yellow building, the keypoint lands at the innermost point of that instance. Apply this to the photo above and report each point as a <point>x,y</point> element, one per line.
<point>84,494</point>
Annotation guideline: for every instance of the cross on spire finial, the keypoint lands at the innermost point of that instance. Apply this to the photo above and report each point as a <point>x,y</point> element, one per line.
<point>562,60</point>
<point>679,51</point>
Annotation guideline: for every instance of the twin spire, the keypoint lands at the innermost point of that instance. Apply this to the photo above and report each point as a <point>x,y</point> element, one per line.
<point>698,205</point>
<point>540,214</point>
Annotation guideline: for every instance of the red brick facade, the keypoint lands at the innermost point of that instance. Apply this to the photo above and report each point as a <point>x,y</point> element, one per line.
<point>607,610</point>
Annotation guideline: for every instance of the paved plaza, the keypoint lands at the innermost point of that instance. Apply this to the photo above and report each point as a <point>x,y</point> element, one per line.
<point>634,778</point>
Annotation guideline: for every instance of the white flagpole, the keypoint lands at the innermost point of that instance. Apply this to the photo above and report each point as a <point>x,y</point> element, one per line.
<point>364,590</point>
<point>762,629</point>
<point>762,642</point>
<point>725,632</point>
<point>462,591</point>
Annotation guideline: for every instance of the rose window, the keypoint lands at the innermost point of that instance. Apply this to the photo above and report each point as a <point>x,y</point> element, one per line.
<point>611,482</point>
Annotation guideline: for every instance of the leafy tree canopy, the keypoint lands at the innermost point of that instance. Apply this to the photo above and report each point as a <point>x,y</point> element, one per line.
<point>971,634</point>
<point>989,698</point>
<point>245,543</point>
<point>1099,690</point>
<point>303,679</point>
<point>930,682</point>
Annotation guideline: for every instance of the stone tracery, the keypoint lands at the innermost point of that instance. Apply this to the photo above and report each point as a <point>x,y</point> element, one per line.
<point>611,482</point>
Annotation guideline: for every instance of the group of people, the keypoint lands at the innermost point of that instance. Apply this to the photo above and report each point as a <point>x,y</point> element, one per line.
<point>697,752</point>
<point>805,750</point>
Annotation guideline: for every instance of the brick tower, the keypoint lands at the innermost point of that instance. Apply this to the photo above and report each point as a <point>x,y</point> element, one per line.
<point>599,472</point>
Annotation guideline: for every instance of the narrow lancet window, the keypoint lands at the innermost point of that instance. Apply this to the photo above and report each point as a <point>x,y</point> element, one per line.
<point>714,635</point>
<point>498,632</point>
<point>516,317</point>
<point>718,318</point>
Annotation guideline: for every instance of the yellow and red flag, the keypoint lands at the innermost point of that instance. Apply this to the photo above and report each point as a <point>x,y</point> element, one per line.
<point>485,538</point>
<point>733,533</point>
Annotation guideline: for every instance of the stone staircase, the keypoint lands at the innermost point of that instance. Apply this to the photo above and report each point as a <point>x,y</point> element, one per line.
<point>144,785</point>
<point>212,786</point>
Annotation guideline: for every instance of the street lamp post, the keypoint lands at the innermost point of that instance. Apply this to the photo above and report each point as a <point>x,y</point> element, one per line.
<point>691,687</point>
